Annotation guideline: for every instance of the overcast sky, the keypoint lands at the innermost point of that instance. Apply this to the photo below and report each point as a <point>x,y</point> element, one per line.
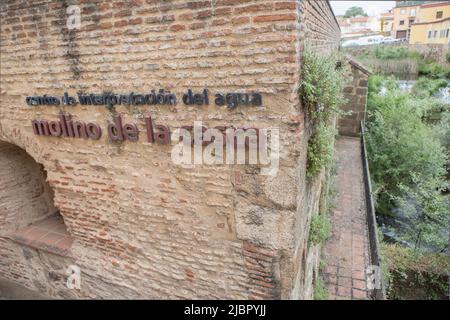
<point>370,7</point>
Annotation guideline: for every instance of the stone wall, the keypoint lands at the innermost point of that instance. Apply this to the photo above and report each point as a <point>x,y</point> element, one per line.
<point>356,96</point>
<point>436,52</point>
<point>144,227</point>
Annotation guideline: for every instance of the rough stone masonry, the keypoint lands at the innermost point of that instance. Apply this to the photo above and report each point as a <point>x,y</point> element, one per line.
<point>141,226</point>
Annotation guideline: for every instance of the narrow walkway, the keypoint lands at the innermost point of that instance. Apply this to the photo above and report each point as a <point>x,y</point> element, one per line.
<point>347,251</point>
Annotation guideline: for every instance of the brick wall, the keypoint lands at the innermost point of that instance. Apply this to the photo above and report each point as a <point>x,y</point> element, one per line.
<point>24,195</point>
<point>356,95</point>
<point>320,28</point>
<point>142,226</point>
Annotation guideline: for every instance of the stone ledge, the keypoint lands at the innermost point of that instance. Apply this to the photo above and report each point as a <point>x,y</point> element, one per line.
<point>48,235</point>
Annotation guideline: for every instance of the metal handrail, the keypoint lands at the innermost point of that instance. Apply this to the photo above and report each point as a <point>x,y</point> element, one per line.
<point>378,293</point>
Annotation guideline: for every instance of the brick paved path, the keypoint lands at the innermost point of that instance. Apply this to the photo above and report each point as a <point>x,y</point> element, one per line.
<point>347,251</point>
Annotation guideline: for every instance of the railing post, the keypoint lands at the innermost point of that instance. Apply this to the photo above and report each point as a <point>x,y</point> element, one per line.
<point>378,293</point>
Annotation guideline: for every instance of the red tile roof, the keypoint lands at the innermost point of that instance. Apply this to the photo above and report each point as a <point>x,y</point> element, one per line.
<point>359,19</point>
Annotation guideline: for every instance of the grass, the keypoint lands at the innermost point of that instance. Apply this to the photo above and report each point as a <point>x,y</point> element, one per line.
<point>388,53</point>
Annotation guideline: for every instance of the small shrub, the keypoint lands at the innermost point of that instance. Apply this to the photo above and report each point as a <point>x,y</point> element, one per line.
<point>321,88</point>
<point>448,57</point>
<point>411,274</point>
<point>321,92</point>
<point>376,82</point>
<point>434,70</point>
<point>320,149</point>
<point>320,229</point>
<point>320,289</point>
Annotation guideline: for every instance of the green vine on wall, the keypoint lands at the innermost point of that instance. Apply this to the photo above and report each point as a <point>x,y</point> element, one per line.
<point>321,93</point>
<point>320,229</point>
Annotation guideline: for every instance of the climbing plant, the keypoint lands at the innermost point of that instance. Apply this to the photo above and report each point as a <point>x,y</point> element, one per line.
<point>320,149</point>
<point>321,93</point>
<point>320,289</point>
<point>320,229</point>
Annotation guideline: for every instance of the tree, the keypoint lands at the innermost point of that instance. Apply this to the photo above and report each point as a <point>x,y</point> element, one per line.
<point>355,11</point>
<point>407,161</point>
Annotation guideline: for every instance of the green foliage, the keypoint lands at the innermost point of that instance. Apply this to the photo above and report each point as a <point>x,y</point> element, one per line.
<point>448,57</point>
<point>376,82</point>
<point>434,70</point>
<point>425,87</point>
<point>403,59</point>
<point>355,11</point>
<point>402,258</point>
<point>407,163</point>
<point>320,149</point>
<point>428,215</point>
<point>320,229</point>
<point>442,130</point>
<point>320,289</point>
<point>331,188</point>
<point>411,274</point>
<point>322,265</point>
<point>433,110</point>
<point>322,85</point>
<point>321,92</point>
<point>387,53</point>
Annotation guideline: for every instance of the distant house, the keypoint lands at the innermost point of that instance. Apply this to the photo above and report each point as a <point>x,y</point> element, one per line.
<point>358,26</point>
<point>387,23</point>
<point>432,24</point>
<point>407,13</point>
<point>404,13</point>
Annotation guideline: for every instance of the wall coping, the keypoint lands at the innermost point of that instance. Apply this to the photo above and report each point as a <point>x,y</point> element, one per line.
<point>359,66</point>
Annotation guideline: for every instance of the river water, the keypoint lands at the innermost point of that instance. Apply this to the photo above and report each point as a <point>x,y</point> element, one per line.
<point>443,94</point>
<point>407,85</point>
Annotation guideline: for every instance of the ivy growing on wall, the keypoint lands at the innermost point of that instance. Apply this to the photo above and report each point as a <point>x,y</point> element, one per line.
<point>321,93</point>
